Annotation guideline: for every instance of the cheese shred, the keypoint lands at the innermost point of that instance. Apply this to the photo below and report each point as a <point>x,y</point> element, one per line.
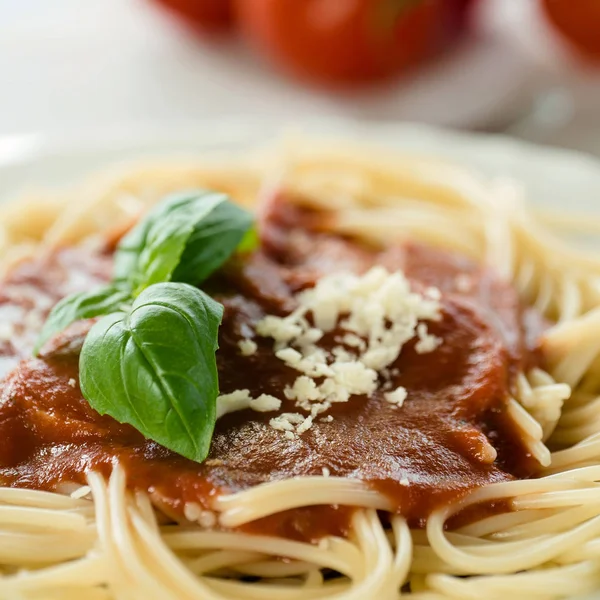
<point>373,316</point>
<point>377,313</point>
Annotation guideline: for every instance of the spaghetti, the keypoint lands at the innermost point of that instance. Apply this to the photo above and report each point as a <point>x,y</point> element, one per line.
<point>541,540</point>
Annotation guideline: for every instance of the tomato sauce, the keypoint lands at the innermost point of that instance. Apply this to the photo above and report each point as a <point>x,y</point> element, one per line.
<point>430,451</point>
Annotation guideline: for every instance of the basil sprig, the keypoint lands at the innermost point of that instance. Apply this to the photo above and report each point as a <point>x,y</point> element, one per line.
<point>185,238</point>
<point>150,361</point>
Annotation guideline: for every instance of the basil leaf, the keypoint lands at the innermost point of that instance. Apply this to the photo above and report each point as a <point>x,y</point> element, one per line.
<point>127,255</point>
<point>84,305</point>
<point>250,241</point>
<point>154,367</point>
<point>153,364</point>
<point>212,242</point>
<point>152,250</point>
<point>185,238</point>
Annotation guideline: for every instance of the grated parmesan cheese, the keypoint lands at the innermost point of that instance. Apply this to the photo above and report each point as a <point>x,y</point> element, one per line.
<point>352,340</point>
<point>238,400</point>
<point>378,313</point>
<point>397,397</point>
<point>305,425</point>
<point>291,424</point>
<point>247,347</point>
<point>241,399</point>
<point>286,421</point>
<point>304,388</point>
<point>280,329</point>
<point>427,342</point>
<point>72,382</point>
<point>265,403</point>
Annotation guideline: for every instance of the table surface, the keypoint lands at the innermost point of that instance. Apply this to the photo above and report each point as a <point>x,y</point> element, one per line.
<point>69,65</point>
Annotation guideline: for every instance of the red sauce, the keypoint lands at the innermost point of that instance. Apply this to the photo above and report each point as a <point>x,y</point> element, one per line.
<point>428,452</point>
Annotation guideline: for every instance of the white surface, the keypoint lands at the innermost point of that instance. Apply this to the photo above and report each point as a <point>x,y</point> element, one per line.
<point>557,179</point>
<point>67,64</point>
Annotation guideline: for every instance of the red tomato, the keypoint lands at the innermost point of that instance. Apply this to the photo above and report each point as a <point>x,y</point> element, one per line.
<point>344,41</point>
<point>579,23</point>
<point>207,15</point>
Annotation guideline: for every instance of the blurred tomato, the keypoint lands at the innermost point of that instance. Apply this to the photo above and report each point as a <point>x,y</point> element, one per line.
<point>345,41</point>
<point>212,16</point>
<point>579,23</point>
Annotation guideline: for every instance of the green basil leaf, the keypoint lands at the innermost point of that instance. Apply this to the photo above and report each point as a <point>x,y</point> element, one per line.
<point>212,242</point>
<point>127,256</point>
<point>154,367</point>
<point>250,241</point>
<point>152,250</point>
<point>185,238</point>
<point>84,305</point>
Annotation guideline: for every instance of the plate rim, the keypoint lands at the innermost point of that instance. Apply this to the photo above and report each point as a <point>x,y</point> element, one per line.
<point>30,148</point>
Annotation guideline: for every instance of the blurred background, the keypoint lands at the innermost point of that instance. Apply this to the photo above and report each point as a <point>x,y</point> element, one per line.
<point>530,68</point>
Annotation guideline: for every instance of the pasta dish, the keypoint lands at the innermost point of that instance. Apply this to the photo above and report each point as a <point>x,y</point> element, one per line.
<point>315,372</point>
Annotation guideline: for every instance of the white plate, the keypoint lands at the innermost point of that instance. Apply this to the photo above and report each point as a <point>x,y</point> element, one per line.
<point>556,179</point>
